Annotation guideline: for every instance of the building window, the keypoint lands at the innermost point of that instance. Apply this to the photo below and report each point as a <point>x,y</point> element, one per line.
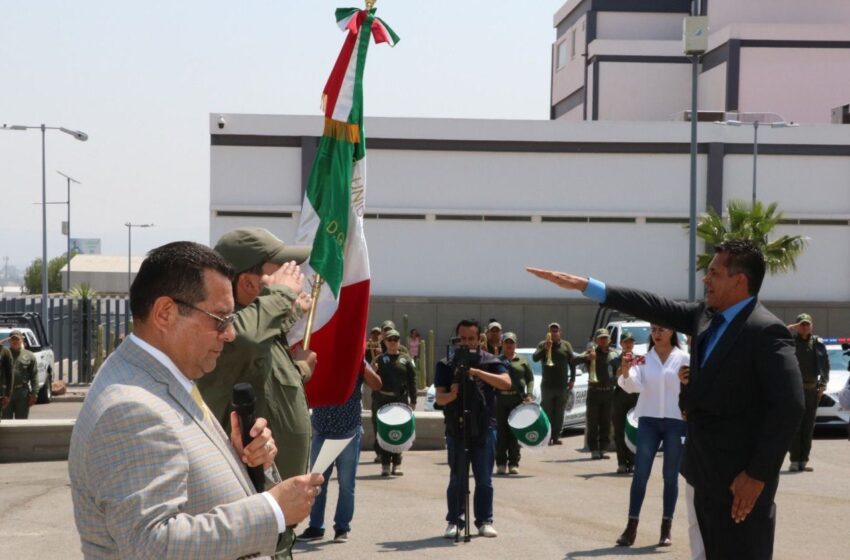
<point>573,44</point>
<point>562,54</point>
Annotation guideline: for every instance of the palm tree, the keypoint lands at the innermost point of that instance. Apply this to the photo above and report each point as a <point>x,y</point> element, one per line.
<point>755,223</point>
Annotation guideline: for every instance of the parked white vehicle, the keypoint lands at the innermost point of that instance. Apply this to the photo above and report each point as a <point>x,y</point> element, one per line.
<point>830,412</point>
<point>574,413</point>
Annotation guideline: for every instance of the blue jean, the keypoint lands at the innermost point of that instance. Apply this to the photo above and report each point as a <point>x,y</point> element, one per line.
<point>650,433</point>
<point>482,460</point>
<point>346,468</point>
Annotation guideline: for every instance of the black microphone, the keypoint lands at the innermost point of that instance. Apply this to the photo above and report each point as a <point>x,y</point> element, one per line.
<point>243,402</point>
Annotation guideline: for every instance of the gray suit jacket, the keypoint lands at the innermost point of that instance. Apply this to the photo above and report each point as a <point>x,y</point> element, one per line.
<point>151,479</point>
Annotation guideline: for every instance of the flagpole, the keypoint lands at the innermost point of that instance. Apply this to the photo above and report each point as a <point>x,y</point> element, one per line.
<point>314,295</point>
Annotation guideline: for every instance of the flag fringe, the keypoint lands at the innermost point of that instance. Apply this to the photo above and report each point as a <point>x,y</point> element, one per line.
<point>342,131</point>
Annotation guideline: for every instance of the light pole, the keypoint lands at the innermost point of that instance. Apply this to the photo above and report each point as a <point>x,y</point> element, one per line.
<point>69,180</point>
<point>82,137</point>
<point>694,43</point>
<point>130,251</point>
<point>755,124</point>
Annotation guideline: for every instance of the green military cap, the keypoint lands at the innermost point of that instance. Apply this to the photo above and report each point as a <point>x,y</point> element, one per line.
<point>602,333</point>
<point>494,325</point>
<point>627,335</point>
<point>509,336</point>
<point>554,324</point>
<point>804,318</point>
<point>387,325</point>
<point>392,333</point>
<point>16,333</point>
<point>375,329</point>
<point>245,248</point>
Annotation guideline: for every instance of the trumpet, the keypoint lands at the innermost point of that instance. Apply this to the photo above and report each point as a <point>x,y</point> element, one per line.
<point>591,373</point>
<point>374,347</point>
<point>549,362</point>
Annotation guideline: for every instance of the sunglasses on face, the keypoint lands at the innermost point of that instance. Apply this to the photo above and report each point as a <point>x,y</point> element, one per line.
<point>221,322</point>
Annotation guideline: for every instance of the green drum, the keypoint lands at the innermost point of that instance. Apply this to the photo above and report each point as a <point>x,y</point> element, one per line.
<point>530,425</point>
<point>631,430</point>
<point>396,427</point>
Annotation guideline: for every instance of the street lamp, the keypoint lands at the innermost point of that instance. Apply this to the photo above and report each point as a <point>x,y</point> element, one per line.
<point>130,251</point>
<point>82,137</point>
<point>69,180</point>
<point>755,124</point>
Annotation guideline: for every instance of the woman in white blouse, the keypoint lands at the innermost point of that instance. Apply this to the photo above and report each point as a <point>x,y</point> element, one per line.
<point>659,420</point>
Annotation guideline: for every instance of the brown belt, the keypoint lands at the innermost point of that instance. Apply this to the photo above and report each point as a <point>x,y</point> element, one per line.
<point>507,393</point>
<point>810,386</point>
<point>388,393</point>
<point>592,388</point>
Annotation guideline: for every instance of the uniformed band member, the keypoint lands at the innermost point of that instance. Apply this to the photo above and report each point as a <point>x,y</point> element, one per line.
<point>24,379</point>
<point>5,377</point>
<point>623,403</point>
<point>388,326</point>
<point>600,394</point>
<point>398,384</point>
<point>522,386</point>
<point>558,379</point>
<point>269,298</point>
<point>494,338</point>
<point>814,366</point>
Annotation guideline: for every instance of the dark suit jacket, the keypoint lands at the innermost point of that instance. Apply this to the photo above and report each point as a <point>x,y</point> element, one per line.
<point>745,405</point>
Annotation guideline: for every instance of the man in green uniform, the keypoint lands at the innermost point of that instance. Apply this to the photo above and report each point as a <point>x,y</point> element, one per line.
<point>269,297</point>
<point>24,379</point>
<point>814,366</point>
<point>558,379</point>
<point>398,384</point>
<point>5,377</point>
<point>600,393</point>
<point>623,403</point>
<point>494,338</point>
<point>522,386</point>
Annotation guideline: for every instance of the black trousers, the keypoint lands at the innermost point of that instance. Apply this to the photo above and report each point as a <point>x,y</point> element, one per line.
<point>507,447</point>
<point>623,402</point>
<point>801,445</point>
<point>599,419</point>
<point>724,539</point>
<point>379,400</point>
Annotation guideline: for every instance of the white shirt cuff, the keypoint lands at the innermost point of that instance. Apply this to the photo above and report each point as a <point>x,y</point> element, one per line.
<point>278,513</point>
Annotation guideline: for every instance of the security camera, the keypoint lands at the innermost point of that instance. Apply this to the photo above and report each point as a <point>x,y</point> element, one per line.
<point>221,121</point>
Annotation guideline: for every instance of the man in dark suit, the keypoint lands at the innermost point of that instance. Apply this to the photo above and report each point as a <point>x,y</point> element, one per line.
<point>743,397</point>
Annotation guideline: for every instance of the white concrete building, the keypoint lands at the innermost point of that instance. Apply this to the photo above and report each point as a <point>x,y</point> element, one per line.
<point>457,208</point>
<point>623,59</point>
<point>107,274</point>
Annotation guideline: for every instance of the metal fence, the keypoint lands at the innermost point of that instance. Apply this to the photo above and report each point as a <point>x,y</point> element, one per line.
<point>81,332</point>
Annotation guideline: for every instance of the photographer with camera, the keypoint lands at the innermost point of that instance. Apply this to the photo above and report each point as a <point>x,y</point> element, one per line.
<point>466,384</point>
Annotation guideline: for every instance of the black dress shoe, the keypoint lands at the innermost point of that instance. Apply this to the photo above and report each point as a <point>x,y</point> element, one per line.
<point>666,526</point>
<point>630,534</point>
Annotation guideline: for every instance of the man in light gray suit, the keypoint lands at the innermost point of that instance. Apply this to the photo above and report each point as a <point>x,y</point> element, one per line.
<point>153,475</point>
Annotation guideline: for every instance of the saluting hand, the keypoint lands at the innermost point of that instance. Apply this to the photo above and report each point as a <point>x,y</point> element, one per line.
<point>562,279</point>
<point>289,275</point>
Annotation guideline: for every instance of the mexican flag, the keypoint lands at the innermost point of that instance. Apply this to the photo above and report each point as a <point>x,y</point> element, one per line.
<point>332,217</point>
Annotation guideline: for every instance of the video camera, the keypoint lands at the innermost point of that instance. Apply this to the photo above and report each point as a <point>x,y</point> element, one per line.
<point>464,358</point>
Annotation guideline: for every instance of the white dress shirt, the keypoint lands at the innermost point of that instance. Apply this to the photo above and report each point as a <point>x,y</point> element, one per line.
<point>657,383</point>
<point>187,384</point>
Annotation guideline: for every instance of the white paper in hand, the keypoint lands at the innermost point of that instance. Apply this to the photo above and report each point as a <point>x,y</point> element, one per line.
<point>330,450</point>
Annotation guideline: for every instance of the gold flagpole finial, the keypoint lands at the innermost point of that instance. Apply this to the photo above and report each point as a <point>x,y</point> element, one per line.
<point>370,4</point>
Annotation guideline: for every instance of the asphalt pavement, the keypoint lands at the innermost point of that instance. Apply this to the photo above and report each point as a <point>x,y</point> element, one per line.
<point>562,506</point>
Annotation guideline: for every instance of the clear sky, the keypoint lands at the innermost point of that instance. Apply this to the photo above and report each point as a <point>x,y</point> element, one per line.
<point>141,78</point>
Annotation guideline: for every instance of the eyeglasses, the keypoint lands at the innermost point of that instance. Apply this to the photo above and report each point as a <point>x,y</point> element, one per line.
<point>222,322</point>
